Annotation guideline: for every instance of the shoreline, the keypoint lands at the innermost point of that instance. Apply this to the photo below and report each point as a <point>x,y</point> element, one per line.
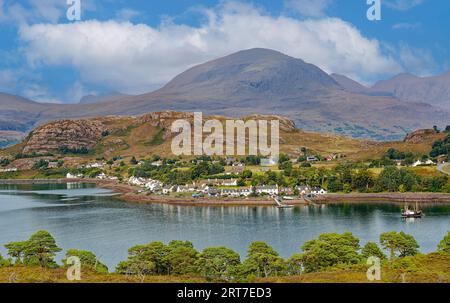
<point>128,193</point>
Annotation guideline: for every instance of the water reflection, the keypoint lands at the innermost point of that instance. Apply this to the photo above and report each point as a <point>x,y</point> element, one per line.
<point>82,216</point>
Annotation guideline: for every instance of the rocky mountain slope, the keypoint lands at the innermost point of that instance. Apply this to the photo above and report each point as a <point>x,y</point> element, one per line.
<point>149,134</point>
<point>432,90</point>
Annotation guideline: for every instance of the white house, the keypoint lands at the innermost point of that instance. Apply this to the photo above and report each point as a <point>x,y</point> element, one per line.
<point>418,163</point>
<point>138,181</point>
<point>7,170</point>
<point>229,182</point>
<point>271,161</point>
<point>153,185</point>
<point>95,165</point>
<point>157,163</point>
<point>185,188</point>
<point>149,184</point>
<point>267,189</point>
<point>236,192</point>
<point>74,176</point>
<point>312,159</point>
<point>102,176</point>
<point>318,191</point>
<point>168,189</point>
<point>303,189</point>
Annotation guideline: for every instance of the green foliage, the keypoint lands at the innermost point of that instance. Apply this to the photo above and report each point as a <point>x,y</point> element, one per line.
<point>3,262</point>
<point>182,258</point>
<point>329,250</point>
<point>218,263</point>
<point>371,249</point>
<point>444,245</point>
<point>206,169</point>
<point>335,184</point>
<point>241,182</point>
<point>4,162</point>
<point>262,261</point>
<point>441,147</point>
<point>146,259</point>
<point>16,250</point>
<point>40,250</point>
<point>40,164</point>
<point>391,178</point>
<point>76,150</point>
<point>283,158</point>
<point>87,259</point>
<point>363,180</point>
<point>158,139</point>
<point>399,244</point>
<point>247,174</point>
<point>41,247</point>
<point>252,160</point>
<point>294,265</point>
<point>405,265</point>
<point>394,154</point>
<point>133,161</point>
<point>384,161</point>
<point>434,184</point>
<point>286,167</point>
<point>32,155</point>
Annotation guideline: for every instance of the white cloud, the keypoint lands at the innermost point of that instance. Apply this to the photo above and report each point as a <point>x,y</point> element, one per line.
<point>417,61</point>
<point>402,5</point>
<point>310,8</point>
<point>39,93</point>
<point>78,91</point>
<point>136,58</point>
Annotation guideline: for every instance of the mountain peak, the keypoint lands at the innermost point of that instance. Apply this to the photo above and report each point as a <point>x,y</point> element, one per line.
<point>258,54</point>
<point>252,71</point>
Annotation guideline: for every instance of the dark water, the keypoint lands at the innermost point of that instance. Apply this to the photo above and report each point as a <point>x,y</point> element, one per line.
<point>85,217</point>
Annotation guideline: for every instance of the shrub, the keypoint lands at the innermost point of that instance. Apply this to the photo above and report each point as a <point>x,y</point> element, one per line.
<point>399,244</point>
<point>444,245</point>
<point>40,250</point>
<point>329,250</point>
<point>87,259</point>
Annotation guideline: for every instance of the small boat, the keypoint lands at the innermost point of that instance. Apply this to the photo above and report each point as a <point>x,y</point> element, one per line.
<point>288,198</point>
<point>412,213</point>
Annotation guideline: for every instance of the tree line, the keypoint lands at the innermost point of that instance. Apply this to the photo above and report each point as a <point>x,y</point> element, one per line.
<point>327,251</point>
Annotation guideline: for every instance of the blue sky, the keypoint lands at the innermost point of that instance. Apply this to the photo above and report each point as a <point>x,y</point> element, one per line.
<point>137,46</point>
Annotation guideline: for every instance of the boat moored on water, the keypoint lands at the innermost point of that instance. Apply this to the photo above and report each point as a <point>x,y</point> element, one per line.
<point>412,213</point>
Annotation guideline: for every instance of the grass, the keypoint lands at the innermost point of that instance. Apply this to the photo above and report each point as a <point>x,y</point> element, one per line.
<point>430,268</point>
<point>24,274</point>
<point>447,168</point>
<point>158,139</point>
<point>129,137</point>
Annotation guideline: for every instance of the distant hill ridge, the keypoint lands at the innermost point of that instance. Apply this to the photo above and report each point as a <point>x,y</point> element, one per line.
<point>254,81</point>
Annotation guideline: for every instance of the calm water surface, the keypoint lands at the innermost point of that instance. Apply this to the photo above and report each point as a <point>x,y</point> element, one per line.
<point>85,217</point>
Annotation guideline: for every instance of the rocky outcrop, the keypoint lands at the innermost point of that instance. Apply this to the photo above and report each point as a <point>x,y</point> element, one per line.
<point>286,124</point>
<point>73,134</point>
<point>419,136</point>
<point>165,119</point>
